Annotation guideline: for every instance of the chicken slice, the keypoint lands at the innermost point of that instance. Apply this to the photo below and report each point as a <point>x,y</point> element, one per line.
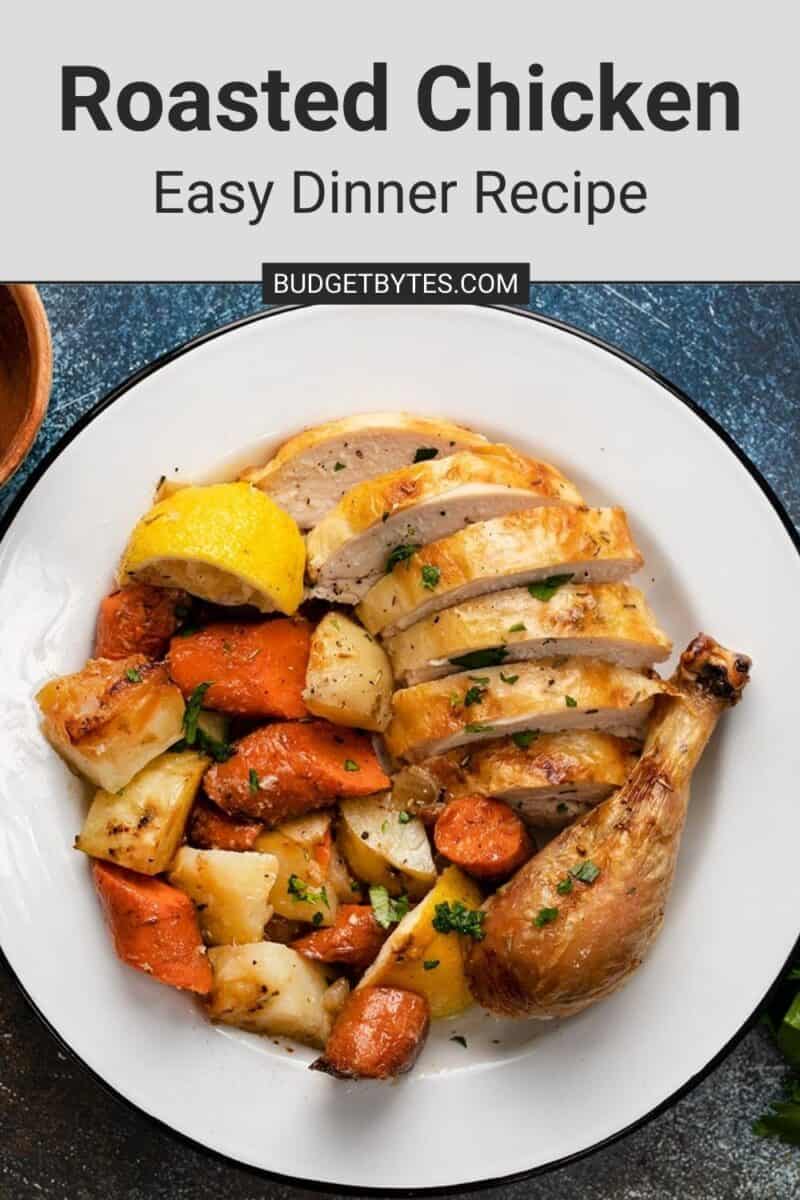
<point>546,696</point>
<point>590,545</point>
<point>604,620</point>
<point>311,472</point>
<point>396,514</point>
<point>549,778</point>
<point>579,917</point>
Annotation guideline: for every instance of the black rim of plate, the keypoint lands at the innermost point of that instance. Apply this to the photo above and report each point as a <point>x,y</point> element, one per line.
<point>492,1181</point>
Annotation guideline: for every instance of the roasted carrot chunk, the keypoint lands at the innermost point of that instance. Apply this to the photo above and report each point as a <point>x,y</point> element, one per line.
<point>154,927</point>
<point>254,670</point>
<point>378,1034</point>
<point>138,620</point>
<point>212,829</point>
<point>484,837</point>
<point>285,770</point>
<point>354,940</point>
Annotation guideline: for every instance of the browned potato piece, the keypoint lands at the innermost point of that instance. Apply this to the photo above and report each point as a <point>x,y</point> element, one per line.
<point>378,1034</point>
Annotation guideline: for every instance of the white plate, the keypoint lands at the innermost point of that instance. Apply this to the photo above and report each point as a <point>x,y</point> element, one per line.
<point>718,559</point>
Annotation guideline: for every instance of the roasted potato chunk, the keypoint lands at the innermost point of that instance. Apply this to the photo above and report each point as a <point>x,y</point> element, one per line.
<point>301,891</point>
<point>142,825</point>
<point>231,889</point>
<point>385,845</point>
<point>111,719</point>
<point>349,676</point>
<point>269,988</point>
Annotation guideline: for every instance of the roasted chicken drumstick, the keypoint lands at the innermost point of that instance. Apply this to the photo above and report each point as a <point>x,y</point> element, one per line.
<point>578,918</point>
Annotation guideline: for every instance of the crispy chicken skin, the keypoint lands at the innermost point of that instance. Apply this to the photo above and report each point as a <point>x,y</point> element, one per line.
<point>312,471</point>
<point>603,620</point>
<point>557,965</point>
<point>594,545</point>
<point>350,547</point>
<point>545,696</point>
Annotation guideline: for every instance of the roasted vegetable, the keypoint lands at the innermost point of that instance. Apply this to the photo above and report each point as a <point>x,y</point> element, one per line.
<point>484,837</point>
<point>111,719</point>
<point>253,670</point>
<point>269,988</point>
<point>289,769</point>
<point>142,825</point>
<point>154,927</point>
<point>349,678</point>
<point>301,891</point>
<point>378,1034</point>
<point>384,845</point>
<point>425,953</point>
<point>231,890</point>
<point>138,620</point>
<point>354,940</point>
<point>212,829</point>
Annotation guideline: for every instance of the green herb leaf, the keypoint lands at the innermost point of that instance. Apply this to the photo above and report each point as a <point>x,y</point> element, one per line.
<point>491,657</point>
<point>564,887</point>
<point>586,871</point>
<point>519,627</point>
<point>546,588</point>
<point>384,826</point>
<point>562,806</point>
<point>132,675</point>
<point>782,1120</point>
<point>252,779</point>
<point>219,751</point>
<point>430,577</point>
<point>510,679</point>
<point>338,466</point>
<point>430,964</point>
<point>524,738</point>
<point>424,453</point>
<point>400,554</point>
<point>457,918</point>
<point>388,910</point>
<point>351,765</point>
<point>477,727</point>
<point>545,916</point>
<point>570,702</point>
<point>474,695</point>
<point>404,817</point>
<point>298,888</point>
<point>458,1037</point>
<point>192,712</point>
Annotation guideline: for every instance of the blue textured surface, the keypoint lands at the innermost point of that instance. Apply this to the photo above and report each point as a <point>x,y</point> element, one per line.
<point>736,351</point>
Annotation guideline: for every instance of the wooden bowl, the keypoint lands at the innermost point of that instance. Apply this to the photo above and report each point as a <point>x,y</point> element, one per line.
<point>26,367</point>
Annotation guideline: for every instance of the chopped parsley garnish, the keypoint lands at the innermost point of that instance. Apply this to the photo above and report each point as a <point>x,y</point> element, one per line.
<point>424,453</point>
<point>339,466</point>
<point>477,727</point>
<point>564,887</point>
<point>317,919</point>
<point>586,871</point>
<point>430,577</point>
<point>132,675</point>
<point>351,765</point>
<point>519,627</point>
<point>546,588</point>
<point>523,739</point>
<point>252,779</point>
<point>400,554</point>
<point>562,806</point>
<point>491,657</point>
<point>298,888</point>
<point>388,910</point>
<point>457,918</point>
<point>355,886</point>
<point>474,695</point>
<point>430,964</point>
<point>404,817</point>
<point>510,679</point>
<point>458,1037</point>
<point>570,702</point>
<point>192,712</point>
<point>545,916</point>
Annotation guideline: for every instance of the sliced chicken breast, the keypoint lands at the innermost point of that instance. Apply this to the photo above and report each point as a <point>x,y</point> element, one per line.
<point>590,545</point>
<point>383,520</point>
<point>312,471</point>
<point>545,697</point>
<point>550,778</point>
<point>602,620</point>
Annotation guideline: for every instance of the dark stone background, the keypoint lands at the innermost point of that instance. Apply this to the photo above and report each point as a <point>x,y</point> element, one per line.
<point>736,350</point>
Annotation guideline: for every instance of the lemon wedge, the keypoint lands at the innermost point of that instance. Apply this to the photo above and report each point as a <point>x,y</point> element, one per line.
<point>227,542</point>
